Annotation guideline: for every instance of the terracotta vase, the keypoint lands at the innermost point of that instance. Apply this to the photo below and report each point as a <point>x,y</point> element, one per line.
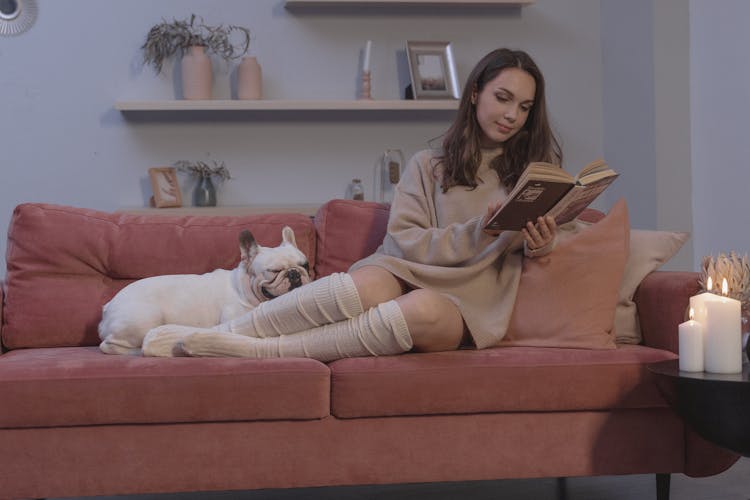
<point>249,79</point>
<point>197,76</point>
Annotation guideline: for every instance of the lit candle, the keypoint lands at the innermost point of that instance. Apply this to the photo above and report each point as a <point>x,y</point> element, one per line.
<point>723,334</point>
<point>698,302</point>
<point>691,345</point>
<point>368,49</point>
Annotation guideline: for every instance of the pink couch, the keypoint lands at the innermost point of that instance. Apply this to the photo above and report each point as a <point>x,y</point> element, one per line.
<point>76,422</point>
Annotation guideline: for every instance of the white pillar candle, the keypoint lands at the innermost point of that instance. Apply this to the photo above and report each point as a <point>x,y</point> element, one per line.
<point>691,345</point>
<point>366,62</point>
<point>698,303</point>
<point>723,334</point>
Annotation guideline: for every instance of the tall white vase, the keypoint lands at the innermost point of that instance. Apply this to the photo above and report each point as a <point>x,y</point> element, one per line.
<point>197,76</point>
<point>249,79</point>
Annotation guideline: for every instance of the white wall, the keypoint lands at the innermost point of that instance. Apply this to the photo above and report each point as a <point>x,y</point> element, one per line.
<point>720,107</point>
<point>64,143</point>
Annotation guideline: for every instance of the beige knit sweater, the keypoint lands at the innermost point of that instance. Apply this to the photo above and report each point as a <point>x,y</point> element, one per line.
<point>435,241</point>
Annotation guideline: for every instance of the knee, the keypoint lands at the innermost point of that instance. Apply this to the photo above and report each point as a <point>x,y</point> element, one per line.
<point>435,323</point>
<point>375,285</point>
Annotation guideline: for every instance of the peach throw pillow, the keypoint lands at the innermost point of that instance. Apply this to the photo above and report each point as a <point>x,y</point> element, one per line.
<point>568,298</point>
<point>648,251</point>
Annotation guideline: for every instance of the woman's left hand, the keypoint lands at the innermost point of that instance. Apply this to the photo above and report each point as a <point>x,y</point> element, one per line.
<point>540,234</point>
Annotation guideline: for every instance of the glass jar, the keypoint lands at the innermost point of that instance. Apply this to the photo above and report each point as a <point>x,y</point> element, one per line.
<point>387,174</point>
<point>355,191</point>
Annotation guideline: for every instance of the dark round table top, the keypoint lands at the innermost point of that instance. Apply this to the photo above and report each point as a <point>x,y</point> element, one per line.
<point>716,406</point>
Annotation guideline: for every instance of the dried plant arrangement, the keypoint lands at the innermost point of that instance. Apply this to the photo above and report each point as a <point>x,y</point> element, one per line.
<point>735,269</point>
<point>203,169</point>
<point>166,39</point>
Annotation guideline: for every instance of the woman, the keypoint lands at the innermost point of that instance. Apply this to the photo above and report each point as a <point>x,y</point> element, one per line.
<point>439,279</point>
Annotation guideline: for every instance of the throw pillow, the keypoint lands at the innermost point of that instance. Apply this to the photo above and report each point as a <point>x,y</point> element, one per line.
<point>648,251</point>
<point>568,298</point>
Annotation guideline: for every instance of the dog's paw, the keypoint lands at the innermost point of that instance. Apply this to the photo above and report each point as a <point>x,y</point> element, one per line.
<point>166,341</point>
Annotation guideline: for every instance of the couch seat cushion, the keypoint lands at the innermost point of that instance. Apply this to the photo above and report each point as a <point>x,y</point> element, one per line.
<point>506,379</point>
<point>70,386</point>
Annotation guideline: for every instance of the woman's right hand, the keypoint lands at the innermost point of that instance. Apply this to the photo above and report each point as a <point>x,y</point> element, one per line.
<point>491,209</point>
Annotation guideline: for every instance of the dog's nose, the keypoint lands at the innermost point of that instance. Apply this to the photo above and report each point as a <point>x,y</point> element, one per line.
<point>294,277</point>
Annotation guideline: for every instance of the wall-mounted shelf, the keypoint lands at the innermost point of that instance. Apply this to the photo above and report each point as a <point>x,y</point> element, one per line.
<point>288,105</point>
<point>306,209</point>
<point>406,3</point>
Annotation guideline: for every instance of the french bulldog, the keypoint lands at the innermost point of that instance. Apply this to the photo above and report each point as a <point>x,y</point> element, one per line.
<point>202,300</point>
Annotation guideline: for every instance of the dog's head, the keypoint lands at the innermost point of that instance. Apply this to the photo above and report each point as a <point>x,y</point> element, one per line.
<point>272,271</point>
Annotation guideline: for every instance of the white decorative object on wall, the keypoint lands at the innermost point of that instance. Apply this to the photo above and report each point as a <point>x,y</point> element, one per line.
<point>16,16</point>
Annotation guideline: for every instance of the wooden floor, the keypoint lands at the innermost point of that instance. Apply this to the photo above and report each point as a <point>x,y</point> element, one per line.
<point>733,484</point>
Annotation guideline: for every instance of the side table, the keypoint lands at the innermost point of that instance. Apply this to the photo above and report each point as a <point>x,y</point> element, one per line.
<point>715,406</point>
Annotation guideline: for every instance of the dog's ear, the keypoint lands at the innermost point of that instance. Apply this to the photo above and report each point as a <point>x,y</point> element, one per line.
<point>287,234</point>
<point>248,245</point>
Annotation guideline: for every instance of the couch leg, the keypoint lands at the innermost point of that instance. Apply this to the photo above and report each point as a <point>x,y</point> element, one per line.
<point>662,486</point>
<point>562,489</point>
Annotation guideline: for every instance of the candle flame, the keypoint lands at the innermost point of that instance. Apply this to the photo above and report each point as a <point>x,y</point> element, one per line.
<point>691,314</point>
<point>724,287</point>
<point>709,284</point>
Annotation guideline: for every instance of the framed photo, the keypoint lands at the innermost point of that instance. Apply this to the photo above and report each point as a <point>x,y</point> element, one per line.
<point>165,187</point>
<point>432,70</point>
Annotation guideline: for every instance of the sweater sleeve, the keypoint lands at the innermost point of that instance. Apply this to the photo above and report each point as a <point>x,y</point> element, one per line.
<point>412,228</point>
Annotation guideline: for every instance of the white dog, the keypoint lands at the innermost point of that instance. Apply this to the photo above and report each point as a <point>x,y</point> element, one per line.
<point>203,300</point>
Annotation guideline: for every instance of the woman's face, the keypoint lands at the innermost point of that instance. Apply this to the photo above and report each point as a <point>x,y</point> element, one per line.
<point>503,105</point>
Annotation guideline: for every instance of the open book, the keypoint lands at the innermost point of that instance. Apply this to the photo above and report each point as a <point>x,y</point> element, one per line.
<point>547,189</point>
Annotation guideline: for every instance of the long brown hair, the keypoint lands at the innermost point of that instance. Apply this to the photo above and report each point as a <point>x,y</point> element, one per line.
<point>461,154</point>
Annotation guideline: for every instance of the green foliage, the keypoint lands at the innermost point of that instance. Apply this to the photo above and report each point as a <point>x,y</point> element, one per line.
<point>203,169</point>
<point>166,39</point>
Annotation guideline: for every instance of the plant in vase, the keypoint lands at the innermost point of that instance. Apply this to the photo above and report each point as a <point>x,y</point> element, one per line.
<point>204,193</point>
<point>193,39</point>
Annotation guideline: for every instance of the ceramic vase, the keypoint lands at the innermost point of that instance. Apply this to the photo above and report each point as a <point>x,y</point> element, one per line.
<point>249,79</point>
<point>204,194</point>
<point>197,76</point>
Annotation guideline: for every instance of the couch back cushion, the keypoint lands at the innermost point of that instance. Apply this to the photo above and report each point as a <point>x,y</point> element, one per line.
<point>348,231</point>
<point>64,263</point>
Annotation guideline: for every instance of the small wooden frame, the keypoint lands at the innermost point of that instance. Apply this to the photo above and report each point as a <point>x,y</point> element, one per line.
<point>432,70</point>
<point>165,187</point>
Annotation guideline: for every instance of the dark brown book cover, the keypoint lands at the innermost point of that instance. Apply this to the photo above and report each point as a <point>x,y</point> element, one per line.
<point>536,198</point>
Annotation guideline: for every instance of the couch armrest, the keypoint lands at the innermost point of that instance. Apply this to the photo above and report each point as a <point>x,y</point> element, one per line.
<point>2,301</point>
<point>661,300</point>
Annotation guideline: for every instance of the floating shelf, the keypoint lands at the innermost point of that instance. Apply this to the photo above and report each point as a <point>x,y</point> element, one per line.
<point>288,105</point>
<point>407,3</point>
<point>305,209</point>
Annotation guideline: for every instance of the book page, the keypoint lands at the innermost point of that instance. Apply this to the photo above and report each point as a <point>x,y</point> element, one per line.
<point>545,172</point>
<point>578,198</point>
<point>594,171</point>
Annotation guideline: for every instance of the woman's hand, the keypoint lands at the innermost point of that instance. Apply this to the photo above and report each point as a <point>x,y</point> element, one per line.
<point>491,209</point>
<point>540,234</point>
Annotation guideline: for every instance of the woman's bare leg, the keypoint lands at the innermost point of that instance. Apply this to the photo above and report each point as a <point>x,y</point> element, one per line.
<point>375,285</point>
<point>434,322</point>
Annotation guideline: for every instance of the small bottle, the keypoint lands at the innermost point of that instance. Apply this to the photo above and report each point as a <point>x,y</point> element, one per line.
<point>356,191</point>
<point>388,174</point>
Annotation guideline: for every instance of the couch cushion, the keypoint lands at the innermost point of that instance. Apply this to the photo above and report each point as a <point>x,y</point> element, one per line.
<point>64,263</point>
<point>47,387</point>
<point>568,297</point>
<point>506,379</point>
<point>648,251</point>
<point>348,231</point>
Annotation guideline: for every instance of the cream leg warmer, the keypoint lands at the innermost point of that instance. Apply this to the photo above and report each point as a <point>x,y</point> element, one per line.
<point>330,299</point>
<point>380,331</point>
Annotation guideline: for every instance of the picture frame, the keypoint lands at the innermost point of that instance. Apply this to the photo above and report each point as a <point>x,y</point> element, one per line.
<point>165,186</point>
<point>432,70</point>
